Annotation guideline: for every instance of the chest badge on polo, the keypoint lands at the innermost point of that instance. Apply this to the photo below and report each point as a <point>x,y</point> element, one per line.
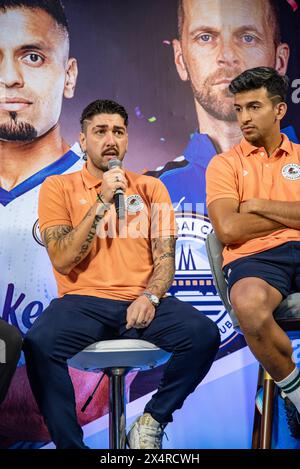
<point>134,203</point>
<point>291,171</point>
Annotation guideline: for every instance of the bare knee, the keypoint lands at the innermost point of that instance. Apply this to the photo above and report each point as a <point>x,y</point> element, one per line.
<point>252,307</point>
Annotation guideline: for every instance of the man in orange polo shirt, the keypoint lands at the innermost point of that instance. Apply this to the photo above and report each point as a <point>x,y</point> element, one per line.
<point>253,193</point>
<point>112,278</point>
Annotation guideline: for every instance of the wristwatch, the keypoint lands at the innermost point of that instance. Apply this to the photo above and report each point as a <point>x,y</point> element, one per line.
<point>152,298</point>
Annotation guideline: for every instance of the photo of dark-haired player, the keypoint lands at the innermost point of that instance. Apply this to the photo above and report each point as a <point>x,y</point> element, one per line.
<point>36,73</point>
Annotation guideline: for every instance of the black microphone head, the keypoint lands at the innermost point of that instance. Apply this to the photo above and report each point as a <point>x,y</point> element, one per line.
<point>114,163</point>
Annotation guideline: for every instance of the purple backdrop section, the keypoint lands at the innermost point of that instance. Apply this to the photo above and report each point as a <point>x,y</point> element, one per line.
<point>124,54</point>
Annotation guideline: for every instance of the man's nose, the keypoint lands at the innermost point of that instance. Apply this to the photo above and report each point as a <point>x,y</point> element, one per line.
<point>110,139</point>
<point>10,73</point>
<point>245,116</point>
<point>227,55</point>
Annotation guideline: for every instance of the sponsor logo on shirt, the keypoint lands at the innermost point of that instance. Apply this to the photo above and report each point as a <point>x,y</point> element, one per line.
<point>291,171</point>
<point>134,203</point>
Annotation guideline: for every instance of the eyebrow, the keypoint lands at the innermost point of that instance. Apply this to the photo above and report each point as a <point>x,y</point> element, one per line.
<point>212,30</point>
<point>248,27</point>
<point>35,46</point>
<point>206,29</point>
<point>248,104</point>
<point>115,127</point>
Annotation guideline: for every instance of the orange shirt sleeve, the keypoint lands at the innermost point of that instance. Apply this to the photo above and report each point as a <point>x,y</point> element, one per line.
<point>52,209</point>
<point>221,180</point>
<point>163,223</point>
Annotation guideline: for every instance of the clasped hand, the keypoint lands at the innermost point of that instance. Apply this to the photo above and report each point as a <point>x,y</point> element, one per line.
<point>140,313</point>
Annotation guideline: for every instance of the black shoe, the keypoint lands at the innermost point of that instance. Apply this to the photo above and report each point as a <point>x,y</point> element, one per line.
<point>293,418</point>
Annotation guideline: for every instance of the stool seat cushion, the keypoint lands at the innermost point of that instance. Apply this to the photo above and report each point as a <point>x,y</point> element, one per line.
<point>121,353</point>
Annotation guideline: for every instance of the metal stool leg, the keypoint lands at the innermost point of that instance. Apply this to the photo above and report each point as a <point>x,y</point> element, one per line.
<point>267,413</point>
<point>117,407</point>
<point>257,414</point>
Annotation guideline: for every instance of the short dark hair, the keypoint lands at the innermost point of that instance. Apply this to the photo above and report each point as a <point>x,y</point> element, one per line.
<point>102,106</point>
<point>261,77</point>
<point>54,8</point>
<point>274,17</point>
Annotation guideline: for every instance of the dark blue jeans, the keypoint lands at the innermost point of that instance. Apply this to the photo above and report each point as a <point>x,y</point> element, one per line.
<point>73,322</point>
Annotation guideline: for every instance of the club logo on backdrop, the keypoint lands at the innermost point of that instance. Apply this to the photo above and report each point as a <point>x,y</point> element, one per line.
<point>193,280</point>
<point>291,171</point>
<point>134,203</point>
<point>36,233</point>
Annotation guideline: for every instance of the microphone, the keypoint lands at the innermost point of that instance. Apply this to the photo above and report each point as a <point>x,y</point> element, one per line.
<point>119,194</point>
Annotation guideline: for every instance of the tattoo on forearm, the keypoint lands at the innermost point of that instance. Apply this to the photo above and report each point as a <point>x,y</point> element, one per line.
<point>86,245</point>
<point>167,254</point>
<point>58,235</point>
<point>63,236</point>
<point>163,253</point>
<point>161,280</point>
<point>163,245</point>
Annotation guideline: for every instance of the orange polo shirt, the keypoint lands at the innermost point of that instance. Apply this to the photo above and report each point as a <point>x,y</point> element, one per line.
<point>120,263</point>
<point>246,172</point>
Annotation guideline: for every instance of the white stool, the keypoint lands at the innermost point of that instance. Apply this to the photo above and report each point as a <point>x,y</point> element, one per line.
<point>116,358</point>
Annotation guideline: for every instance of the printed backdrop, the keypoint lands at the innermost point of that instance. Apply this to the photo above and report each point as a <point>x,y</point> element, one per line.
<point>125,52</point>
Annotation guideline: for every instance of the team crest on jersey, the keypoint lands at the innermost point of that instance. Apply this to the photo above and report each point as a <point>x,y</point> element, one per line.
<point>36,233</point>
<point>291,171</point>
<point>134,203</point>
<point>193,281</point>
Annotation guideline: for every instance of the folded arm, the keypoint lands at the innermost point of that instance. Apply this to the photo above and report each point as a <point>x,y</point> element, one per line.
<point>236,227</point>
<point>286,213</point>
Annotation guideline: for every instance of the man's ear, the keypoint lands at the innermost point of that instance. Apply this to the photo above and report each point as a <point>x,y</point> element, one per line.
<point>71,78</point>
<point>82,141</point>
<point>178,59</point>
<point>281,109</point>
<point>282,58</point>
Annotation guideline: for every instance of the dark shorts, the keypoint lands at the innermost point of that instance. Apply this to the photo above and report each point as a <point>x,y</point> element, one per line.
<point>280,267</point>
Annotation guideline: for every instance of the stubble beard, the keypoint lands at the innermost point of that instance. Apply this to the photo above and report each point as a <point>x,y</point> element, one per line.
<point>256,140</point>
<point>217,103</point>
<point>15,130</point>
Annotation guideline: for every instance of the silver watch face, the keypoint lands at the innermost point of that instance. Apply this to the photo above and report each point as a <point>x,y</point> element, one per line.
<point>154,299</point>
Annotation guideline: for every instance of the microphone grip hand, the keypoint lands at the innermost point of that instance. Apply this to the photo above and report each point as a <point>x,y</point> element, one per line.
<point>113,180</point>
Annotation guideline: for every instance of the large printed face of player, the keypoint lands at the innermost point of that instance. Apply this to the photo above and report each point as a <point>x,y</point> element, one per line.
<point>105,137</point>
<point>219,40</point>
<point>35,73</point>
